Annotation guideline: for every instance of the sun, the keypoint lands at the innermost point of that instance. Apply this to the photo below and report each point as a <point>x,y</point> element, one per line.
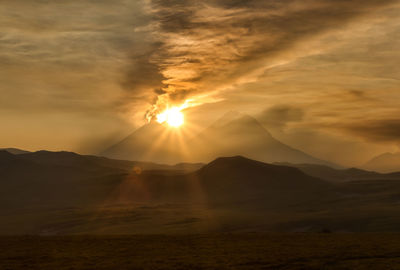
<point>173,116</point>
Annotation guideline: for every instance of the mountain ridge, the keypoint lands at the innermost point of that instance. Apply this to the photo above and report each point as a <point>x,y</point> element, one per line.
<point>342,175</point>
<point>40,195</point>
<point>386,163</point>
<point>233,134</point>
<point>15,151</point>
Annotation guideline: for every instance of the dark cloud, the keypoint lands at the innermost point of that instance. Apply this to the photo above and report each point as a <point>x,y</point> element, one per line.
<point>144,75</point>
<point>279,116</point>
<point>376,130</point>
<point>209,45</point>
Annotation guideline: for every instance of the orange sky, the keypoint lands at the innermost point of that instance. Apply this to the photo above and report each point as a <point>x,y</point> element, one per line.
<point>322,76</point>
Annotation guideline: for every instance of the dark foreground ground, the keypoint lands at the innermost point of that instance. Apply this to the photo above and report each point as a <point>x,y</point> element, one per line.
<point>225,251</point>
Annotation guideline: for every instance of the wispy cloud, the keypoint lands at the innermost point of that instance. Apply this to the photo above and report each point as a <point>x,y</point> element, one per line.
<point>208,46</point>
<point>324,66</point>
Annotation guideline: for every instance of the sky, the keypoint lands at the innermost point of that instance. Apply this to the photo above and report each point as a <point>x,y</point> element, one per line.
<point>320,75</point>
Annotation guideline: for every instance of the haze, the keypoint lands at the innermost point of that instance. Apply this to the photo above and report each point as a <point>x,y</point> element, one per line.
<point>321,76</point>
<point>199,134</point>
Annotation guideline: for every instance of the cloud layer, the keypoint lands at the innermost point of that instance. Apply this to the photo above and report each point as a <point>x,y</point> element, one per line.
<point>95,69</point>
<point>208,46</point>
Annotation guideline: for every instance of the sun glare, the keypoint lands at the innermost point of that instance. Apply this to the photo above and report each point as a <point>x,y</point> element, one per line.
<point>173,117</point>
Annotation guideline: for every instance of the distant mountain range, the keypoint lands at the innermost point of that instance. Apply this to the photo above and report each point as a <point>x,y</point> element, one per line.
<point>89,162</point>
<point>342,175</point>
<point>387,162</point>
<point>58,178</point>
<point>66,193</point>
<point>233,134</point>
<point>14,151</point>
<point>244,135</point>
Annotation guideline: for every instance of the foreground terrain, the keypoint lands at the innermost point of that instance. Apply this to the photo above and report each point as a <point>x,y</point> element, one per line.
<point>59,193</point>
<point>224,251</point>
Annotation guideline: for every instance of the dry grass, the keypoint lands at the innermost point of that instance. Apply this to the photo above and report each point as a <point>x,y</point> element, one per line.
<point>224,251</point>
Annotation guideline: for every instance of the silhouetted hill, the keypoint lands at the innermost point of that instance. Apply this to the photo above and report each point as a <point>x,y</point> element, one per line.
<point>254,174</point>
<point>58,179</point>
<point>31,183</point>
<point>224,181</point>
<point>61,192</point>
<point>387,162</point>
<point>344,175</point>
<point>8,159</point>
<point>15,151</point>
<point>64,178</point>
<point>6,156</point>
<point>75,160</point>
<point>239,179</point>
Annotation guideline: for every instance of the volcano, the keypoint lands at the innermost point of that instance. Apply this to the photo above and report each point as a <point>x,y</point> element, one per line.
<point>386,163</point>
<point>233,134</point>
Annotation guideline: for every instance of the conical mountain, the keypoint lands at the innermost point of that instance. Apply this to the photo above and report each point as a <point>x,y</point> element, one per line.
<point>387,162</point>
<point>244,135</point>
<point>233,134</point>
<point>151,142</point>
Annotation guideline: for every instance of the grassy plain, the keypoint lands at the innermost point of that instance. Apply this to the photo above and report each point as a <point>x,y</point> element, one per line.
<point>309,251</point>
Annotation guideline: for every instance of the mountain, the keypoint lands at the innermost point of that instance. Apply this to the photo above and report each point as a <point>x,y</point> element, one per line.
<point>14,151</point>
<point>58,179</point>
<point>387,162</point>
<point>6,157</point>
<point>68,179</point>
<point>244,135</point>
<point>342,175</point>
<point>71,159</point>
<point>66,193</point>
<point>239,179</point>
<point>225,181</point>
<point>226,171</point>
<point>151,142</point>
<point>233,134</point>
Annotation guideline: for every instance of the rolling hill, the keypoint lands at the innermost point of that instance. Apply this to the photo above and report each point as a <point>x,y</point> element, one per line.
<point>342,175</point>
<point>61,178</point>
<point>67,193</point>
<point>14,151</point>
